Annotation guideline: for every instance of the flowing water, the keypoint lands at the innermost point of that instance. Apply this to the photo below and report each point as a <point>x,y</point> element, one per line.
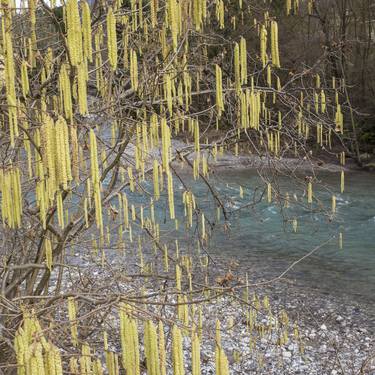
<point>263,237</point>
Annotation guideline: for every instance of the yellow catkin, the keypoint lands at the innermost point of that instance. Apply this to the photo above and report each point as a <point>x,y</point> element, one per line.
<point>82,87</point>
<point>173,21</point>
<point>74,32</point>
<point>295,225</point>
<point>323,101</point>
<point>263,45</point>
<point>62,154</point>
<point>166,144</point>
<point>25,79</point>
<point>134,69</point>
<point>171,196</point>
<point>309,193</point>
<point>85,359</point>
<point>10,84</point>
<point>100,84</point>
<point>243,59</point>
<point>98,369</point>
<point>195,354</point>
<point>177,352</point>
<point>162,354</point>
<point>156,179</point>
<point>154,10</point>
<point>339,120</point>
<point>340,240</point>
<point>269,192</point>
<point>48,250</point>
<point>342,182</point>
<point>112,39</point>
<point>72,314</point>
<point>217,346</point>
<point>196,138</point>
<point>125,210</point>
<point>11,202</point>
<point>275,44</point>
<point>129,342</point>
<point>222,365</point>
<point>151,348</point>
<point>65,91</point>
<point>75,152</point>
<point>237,68</point>
<point>96,181</point>
<point>86,31</point>
<point>219,90</point>
<point>220,13</point>
<point>333,204</point>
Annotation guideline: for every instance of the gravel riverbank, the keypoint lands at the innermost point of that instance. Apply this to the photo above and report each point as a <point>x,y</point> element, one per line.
<point>335,334</point>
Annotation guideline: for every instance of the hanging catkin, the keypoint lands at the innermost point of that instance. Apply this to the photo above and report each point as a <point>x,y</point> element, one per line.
<point>309,193</point>
<point>342,182</point>
<point>195,354</point>
<point>333,204</point>
<point>24,79</point>
<point>62,153</point>
<point>65,91</point>
<point>170,195</point>
<point>156,179</point>
<point>339,120</point>
<point>220,13</point>
<point>129,342</point>
<point>134,69</point>
<point>237,68</point>
<point>112,39</point>
<point>74,32</point>
<point>72,314</point>
<point>243,59</point>
<point>10,84</point>
<point>82,76</point>
<point>86,31</point>
<point>151,349</point>
<point>275,44</point>
<point>222,365</point>
<point>75,152</point>
<point>269,192</point>
<point>154,10</point>
<point>162,354</point>
<point>33,353</point>
<point>219,90</point>
<point>323,101</point>
<point>11,197</point>
<point>166,144</point>
<point>263,45</point>
<point>177,352</point>
<point>96,181</point>
<point>173,21</point>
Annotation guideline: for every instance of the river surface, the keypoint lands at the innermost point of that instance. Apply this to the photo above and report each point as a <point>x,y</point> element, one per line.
<point>261,236</point>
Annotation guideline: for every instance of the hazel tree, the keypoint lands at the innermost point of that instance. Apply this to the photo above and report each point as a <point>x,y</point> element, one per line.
<point>95,95</point>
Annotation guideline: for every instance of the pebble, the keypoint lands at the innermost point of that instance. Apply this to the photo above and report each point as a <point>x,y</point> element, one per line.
<point>323,348</point>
